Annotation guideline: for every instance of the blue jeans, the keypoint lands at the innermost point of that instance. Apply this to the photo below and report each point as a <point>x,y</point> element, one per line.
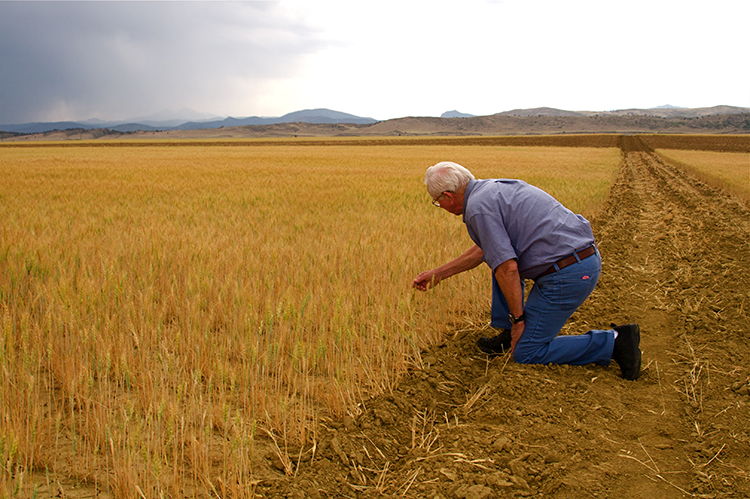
<point>551,302</point>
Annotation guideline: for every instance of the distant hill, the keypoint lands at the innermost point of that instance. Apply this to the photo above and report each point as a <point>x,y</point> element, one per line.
<point>539,111</point>
<point>540,124</point>
<point>672,112</point>
<point>456,114</point>
<point>150,124</point>
<point>165,118</point>
<point>323,116</point>
<point>306,116</point>
<point>661,112</point>
<point>327,123</point>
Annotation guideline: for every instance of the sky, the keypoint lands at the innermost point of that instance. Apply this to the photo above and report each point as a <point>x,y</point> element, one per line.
<point>381,59</point>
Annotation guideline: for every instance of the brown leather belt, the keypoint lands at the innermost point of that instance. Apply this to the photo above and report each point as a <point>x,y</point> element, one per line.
<point>569,260</point>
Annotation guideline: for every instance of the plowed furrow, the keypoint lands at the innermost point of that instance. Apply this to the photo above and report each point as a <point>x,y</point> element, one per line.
<point>676,261</point>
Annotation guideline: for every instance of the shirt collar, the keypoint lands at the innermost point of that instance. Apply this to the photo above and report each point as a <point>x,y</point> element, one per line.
<point>467,192</point>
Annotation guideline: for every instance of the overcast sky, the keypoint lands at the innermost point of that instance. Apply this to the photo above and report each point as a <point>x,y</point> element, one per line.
<point>381,59</point>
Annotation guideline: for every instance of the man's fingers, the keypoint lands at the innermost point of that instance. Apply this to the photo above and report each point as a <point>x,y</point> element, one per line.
<point>421,284</point>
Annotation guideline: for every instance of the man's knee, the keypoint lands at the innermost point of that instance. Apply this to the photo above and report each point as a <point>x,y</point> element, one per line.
<point>524,355</point>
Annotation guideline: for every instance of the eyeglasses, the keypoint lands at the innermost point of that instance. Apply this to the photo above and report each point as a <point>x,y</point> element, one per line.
<point>436,202</point>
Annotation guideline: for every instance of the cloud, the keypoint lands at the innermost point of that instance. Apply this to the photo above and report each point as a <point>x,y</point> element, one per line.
<point>385,59</point>
<point>78,60</point>
<point>396,58</point>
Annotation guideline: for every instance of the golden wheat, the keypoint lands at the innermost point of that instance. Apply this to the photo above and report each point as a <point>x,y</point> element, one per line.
<point>727,170</point>
<point>162,309</point>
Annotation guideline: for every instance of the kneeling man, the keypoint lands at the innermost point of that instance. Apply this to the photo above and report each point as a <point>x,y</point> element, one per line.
<point>521,232</point>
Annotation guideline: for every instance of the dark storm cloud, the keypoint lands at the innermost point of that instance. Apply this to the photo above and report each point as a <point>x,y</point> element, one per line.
<point>75,60</point>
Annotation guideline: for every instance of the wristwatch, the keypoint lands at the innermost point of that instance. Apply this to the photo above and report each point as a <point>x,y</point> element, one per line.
<point>514,319</point>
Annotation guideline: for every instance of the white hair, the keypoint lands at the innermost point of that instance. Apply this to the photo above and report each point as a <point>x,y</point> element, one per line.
<point>446,176</point>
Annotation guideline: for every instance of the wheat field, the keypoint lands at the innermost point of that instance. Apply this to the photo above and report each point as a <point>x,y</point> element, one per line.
<point>164,307</point>
<point>727,170</point>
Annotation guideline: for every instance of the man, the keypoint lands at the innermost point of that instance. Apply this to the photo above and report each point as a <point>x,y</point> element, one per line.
<point>521,232</point>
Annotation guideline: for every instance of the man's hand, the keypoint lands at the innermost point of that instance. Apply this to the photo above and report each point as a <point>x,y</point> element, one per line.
<point>426,280</point>
<point>509,280</point>
<point>515,334</point>
<point>468,260</point>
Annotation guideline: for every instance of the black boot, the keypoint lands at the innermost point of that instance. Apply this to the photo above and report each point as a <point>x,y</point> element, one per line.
<point>627,352</point>
<point>497,345</point>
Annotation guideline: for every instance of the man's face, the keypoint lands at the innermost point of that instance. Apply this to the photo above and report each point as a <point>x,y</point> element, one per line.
<point>450,202</point>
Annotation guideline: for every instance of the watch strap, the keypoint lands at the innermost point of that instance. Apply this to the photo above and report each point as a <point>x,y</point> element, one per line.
<point>514,319</point>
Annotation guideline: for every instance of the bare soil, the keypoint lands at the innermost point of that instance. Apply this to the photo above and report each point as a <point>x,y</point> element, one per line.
<point>676,261</point>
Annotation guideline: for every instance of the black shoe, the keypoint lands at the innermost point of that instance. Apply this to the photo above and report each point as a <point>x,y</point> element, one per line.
<point>627,352</point>
<point>497,345</point>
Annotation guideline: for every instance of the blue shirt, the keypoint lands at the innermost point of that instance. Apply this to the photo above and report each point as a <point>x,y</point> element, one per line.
<point>510,219</point>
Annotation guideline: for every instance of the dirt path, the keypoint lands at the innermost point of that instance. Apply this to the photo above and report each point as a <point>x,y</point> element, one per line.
<point>677,262</point>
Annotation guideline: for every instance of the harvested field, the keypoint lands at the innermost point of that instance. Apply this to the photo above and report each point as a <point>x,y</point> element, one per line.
<point>717,143</point>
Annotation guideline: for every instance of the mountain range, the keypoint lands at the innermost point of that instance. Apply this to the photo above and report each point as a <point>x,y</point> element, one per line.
<point>173,123</point>
<point>666,111</point>
<point>168,121</point>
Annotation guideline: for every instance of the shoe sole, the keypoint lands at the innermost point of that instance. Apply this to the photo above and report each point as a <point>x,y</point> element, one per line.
<point>631,376</point>
<point>491,353</point>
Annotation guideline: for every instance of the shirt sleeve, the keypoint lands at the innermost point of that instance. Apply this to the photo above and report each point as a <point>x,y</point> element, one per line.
<point>489,233</point>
